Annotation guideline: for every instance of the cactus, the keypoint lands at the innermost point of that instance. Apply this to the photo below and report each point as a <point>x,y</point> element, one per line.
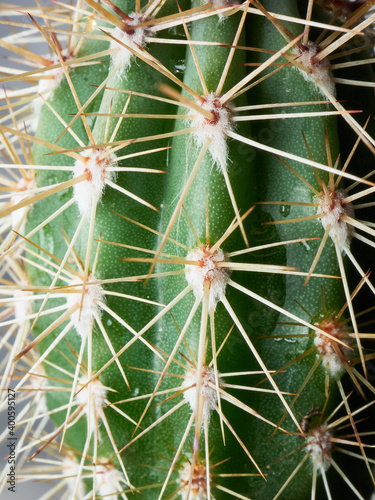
<point>187,245</point>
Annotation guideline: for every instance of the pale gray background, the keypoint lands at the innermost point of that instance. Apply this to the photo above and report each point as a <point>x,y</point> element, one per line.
<point>30,490</point>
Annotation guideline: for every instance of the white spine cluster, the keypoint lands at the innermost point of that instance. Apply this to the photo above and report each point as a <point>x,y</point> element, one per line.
<point>319,445</point>
<point>134,39</point>
<point>215,130</point>
<point>217,4</point>
<point>109,480</point>
<point>207,271</point>
<point>331,362</point>
<point>207,390</point>
<point>70,467</point>
<point>93,397</point>
<point>330,359</point>
<point>332,208</point>
<point>93,163</point>
<point>198,490</point>
<point>83,319</point>
<point>47,86</point>
<point>314,70</point>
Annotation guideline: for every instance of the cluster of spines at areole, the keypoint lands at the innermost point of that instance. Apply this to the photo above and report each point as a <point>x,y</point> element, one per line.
<point>187,236</point>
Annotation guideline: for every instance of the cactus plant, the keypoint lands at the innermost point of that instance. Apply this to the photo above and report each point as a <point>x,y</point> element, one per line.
<point>187,243</point>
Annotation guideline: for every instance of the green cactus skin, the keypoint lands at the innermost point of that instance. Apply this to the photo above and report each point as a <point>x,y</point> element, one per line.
<point>280,183</point>
<point>113,228</point>
<point>266,319</point>
<point>208,191</point>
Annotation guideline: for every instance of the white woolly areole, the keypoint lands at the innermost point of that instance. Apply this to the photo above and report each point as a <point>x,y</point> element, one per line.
<point>319,445</point>
<point>330,359</point>
<point>207,390</point>
<point>314,70</point>
<point>135,39</point>
<point>18,217</point>
<point>93,397</point>
<point>207,270</point>
<point>198,485</point>
<point>333,207</point>
<point>218,3</point>
<point>83,319</point>
<point>108,481</point>
<point>221,3</point>
<point>22,308</point>
<point>70,468</point>
<point>47,86</point>
<point>214,130</point>
<point>87,191</point>
<point>50,84</point>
